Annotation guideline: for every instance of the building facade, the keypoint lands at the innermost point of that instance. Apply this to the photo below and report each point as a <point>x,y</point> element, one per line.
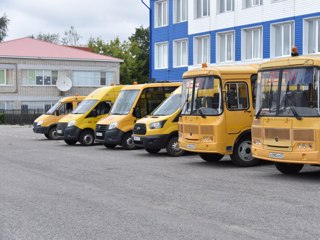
<point>29,70</point>
<point>187,33</point>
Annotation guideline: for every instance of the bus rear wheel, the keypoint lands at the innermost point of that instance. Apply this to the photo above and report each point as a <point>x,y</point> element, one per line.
<point>211,157</point>
<point>242,155</point>
<point>289,168</point>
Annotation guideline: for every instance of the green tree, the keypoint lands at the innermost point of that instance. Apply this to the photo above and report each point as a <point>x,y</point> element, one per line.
<point>49,37</point>
<point>4,21</point>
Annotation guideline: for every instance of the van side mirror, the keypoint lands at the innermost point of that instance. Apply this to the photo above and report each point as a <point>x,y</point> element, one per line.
<point>57,113</point>
<point>136,112</point>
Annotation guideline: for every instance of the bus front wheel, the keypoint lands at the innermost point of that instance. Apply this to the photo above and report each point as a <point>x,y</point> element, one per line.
<point>289,168</point>
<point>211,157</point>
<point>242,155</point>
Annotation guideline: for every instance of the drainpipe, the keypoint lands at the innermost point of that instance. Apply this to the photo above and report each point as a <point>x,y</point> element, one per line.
<point>150,46</point>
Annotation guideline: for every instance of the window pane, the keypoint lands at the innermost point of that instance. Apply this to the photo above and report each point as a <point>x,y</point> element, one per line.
<point>222,6</point>
<point>205,8</point>
<point>205,50</point>
<point>159,14</point>
<point>286,39</point>
<point>2,77</point>
<point>229,5</point>
<point>39,77</point>
<point>256,43</point>
<point>164,21</point>
<point>178,57</point>
<point>222,48</point>
<point>278,41</point>
<point>198,7</point>
<point>318,30</point>
<point>184,10</point>
<point>248,3</point>
<point>229,47</point>
<point>199,49</point>
<point>184,53</point>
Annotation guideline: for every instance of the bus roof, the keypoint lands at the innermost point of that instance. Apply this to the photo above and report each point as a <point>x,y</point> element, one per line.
<point>101,92</point>
<point>72,98</point>
<point>306,60</point>
<point>148,85</point>
<point>222,70</point>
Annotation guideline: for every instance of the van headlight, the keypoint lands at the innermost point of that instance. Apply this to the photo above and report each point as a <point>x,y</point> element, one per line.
<point>157,125</point>
<point>39,123</point>
<point>113,125</point>
<point>71,123</point>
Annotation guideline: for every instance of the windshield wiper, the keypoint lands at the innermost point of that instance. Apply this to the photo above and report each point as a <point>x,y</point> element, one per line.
<point>295,114</point>
<point>201,113</point>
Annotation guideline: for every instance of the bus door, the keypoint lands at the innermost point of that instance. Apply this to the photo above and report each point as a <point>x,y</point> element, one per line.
<point>239,113</point>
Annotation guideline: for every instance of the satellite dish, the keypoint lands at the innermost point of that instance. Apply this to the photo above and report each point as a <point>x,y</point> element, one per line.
<point>64,84</point>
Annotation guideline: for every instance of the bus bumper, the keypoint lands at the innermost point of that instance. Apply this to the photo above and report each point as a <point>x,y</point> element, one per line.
<point>113,136</point>
<point>40,129</point>
<point>151,142</point>
<point>72,133</point>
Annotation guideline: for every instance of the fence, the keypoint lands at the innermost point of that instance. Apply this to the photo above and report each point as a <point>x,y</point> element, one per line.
<point>19,116</point>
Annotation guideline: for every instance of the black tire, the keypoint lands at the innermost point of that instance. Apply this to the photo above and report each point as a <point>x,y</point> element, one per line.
<point>127,141</point>
<point>111,146</point>
<point>47,136</point>
<point>153,150</point>
<point>173,148</point>
<point>52,134</point>
<point>86,138</point>
<point>289,168</point>
<point>242,154</point>
<point>211,157</point>
<point>70,142</point>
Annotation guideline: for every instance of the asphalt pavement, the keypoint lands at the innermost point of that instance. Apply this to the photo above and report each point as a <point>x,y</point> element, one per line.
<point>49,190</point>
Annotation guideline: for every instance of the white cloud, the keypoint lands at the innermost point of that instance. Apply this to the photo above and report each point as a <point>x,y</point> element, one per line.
<point>96,18</point>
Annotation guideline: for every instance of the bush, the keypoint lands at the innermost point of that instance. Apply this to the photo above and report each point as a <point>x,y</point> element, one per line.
<point>1,118</point>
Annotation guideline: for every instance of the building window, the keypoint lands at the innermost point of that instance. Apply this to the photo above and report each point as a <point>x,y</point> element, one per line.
<point>3,78</point>
<point>6,105</point>
<point>33,77</point>
<point>312,35</point>
<point>161,13</point>
<point>87,78</point>
<point>282,39</point>
<point>202,50</point>
<point>180,10</point>
<point>225,47</point>
<point>42,106</point>
<point>252,3</point>
<point>252,42</point>
<point>180,51</point>
<point>202,8</point>
<point>225,6</point>
<point>161,55</point>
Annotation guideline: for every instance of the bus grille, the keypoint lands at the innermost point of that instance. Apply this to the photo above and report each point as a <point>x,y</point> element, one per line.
<point>101,128</point>
<point>140,129</point>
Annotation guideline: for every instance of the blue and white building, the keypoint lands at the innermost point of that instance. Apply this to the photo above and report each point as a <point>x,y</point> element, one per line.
<point>187,33</point>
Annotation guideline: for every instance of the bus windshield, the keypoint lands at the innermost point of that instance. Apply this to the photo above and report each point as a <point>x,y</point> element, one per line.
<point>292,92</point>
<point>169,106</point>
<point>124,102</point>
<point>84,106</point>
<point>202,96</point>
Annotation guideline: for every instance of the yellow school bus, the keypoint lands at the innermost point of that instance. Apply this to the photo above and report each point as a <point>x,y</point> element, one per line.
<point>286,127</point>
<point>133,103</point>
<point>80,124</point>
<point>47,123</point>
<point>217,112</point>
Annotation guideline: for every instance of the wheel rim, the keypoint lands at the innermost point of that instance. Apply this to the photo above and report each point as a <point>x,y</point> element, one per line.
<point>55,134</point>
<point>175,147</point>
<point>88,139</point>
<point>130,142</point>
<point>244,151</point>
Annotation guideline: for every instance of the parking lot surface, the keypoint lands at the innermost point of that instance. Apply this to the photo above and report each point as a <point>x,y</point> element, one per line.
<point>49,190</point>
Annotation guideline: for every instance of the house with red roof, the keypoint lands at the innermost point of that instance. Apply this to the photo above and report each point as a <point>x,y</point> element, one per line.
<point>35,74</point>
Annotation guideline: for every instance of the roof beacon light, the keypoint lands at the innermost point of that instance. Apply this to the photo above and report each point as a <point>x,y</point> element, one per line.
<point>204,65</point>
<point>294,51</point>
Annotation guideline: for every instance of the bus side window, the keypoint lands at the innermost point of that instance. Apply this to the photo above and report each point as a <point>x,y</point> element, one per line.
<point>237,96</point>
<point>69,107</point>
<point>254,89</point>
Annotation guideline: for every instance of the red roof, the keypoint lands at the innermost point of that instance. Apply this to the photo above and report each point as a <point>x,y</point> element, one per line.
<point>33,48</point>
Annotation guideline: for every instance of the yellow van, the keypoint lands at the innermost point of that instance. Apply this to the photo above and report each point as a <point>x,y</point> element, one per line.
<point>47,123</point>
<point>81,123</point>
<point>134,102</point>
<point>160,129</point>
<point>217,112</point>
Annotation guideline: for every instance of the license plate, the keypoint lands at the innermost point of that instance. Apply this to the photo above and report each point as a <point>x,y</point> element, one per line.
<point>136,138</point>
<point>276,155</point>
<point>99,134</point>
<point>59,131</point>
<point>191,146</point>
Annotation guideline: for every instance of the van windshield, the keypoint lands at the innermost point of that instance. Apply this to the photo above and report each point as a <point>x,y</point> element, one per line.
<point>84,106</point>
<point>54,108</point>
<point>288,92</point>
<point>124,102</point>
<point>169,106</point>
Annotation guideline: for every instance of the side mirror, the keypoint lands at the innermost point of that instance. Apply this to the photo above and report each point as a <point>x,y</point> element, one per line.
<point>136,112</point>
<point>57,113</point>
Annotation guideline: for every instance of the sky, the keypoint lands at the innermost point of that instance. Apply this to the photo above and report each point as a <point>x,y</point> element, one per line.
<point>91,18</point>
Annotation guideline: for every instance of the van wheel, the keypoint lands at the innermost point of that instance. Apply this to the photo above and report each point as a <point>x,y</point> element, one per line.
<point>53,134</point>
<point>153,150</point>
<point>70,142</point>
<point>289,168</point>
<point>86,138</point>
<point>127,141</point>
<point>173,148</point>
<point>111,146</point>
<point>46,135</point>
<point>211,157</point>
<point>242,154</point>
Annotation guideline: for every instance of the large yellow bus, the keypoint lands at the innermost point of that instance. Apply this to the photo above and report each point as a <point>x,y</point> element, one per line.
<point>286,128</point>
<point>133,103</point>
<point>217,112</point>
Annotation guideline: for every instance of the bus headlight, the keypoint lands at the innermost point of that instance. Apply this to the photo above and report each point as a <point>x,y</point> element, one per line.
<point>207,138</point>
<point>39,123</point>
<point>305,146</point>
<point>157,125</point>
<point>113,125</point>
<point>256,142</point>
<point>71,123</point>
